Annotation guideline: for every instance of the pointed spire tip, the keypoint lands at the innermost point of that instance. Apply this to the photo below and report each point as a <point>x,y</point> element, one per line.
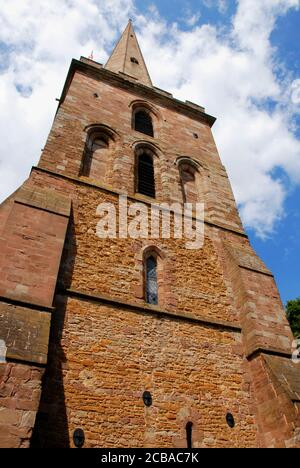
<point>127,57</point>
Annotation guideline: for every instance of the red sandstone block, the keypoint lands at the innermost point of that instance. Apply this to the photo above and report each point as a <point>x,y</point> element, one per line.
<point>26,405</point>
<point>8,440</point>
<point>6,390</point>
<point>8,403</point>
<point>10,417</point>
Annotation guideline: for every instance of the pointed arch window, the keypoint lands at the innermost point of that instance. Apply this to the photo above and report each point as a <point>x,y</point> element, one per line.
<point>143,123</point>
<point>189,179</point>
<point>97,155</point>
<point>151,281</point>
<point>145,175</point>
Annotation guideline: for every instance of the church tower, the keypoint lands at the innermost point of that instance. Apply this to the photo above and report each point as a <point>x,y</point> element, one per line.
<point>136,342</point>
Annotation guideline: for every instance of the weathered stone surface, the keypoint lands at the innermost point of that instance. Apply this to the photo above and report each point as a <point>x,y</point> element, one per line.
<point>26,335</point>
<point>113,356</point>
<point>20,390</point>
<point>277,415</point>
<point>31,244</point>
<point>287,373</point>
<point>44,199</point>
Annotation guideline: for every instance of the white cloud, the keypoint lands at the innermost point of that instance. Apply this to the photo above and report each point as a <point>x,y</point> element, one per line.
<point>255,21</point>
<point>221,5</point>
<point>192,19</point>
<point>295,91</point>
<point>232,74</point>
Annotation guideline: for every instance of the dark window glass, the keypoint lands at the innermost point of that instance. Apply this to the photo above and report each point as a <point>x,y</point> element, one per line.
<point>151,281</point>
<point>146,183</point>
<point>143,123</point>
<point>189,435</point>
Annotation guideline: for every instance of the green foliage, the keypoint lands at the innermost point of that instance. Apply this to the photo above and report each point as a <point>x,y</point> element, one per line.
<point>293,315</point>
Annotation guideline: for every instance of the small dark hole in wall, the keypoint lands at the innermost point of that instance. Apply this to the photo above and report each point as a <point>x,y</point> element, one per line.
<point>78,438</point>
<point>96,95</point>
<point>189,434</point>
<point>147,398</point>
<point>230,420</point>
<point>134,60</point>
<point>196,136</point>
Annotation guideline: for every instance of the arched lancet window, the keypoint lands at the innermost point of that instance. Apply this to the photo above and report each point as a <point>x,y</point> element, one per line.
<point>189,435</point>
<point>96,157</point>
<point>151,281</point>
<point>143,123</point>
<point>189,177</point>
<point>145,175</point>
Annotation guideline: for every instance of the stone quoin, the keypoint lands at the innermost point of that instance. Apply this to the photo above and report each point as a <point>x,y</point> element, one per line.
<point>91,324</point>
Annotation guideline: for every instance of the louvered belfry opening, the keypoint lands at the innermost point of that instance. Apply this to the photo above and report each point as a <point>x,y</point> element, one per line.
<point>143,123</point>
<point>146,182</point>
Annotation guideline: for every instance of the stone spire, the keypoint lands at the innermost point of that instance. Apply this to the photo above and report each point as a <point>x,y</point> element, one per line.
<point>127,57</point>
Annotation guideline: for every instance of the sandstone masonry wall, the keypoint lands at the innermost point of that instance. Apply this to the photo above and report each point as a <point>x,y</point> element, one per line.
<point>109,356</point>
<point>202,352</point>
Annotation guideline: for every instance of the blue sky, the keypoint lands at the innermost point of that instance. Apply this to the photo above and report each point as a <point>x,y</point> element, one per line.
<point>281,249</point>
<point>240,59</point>
<point>178,10</point>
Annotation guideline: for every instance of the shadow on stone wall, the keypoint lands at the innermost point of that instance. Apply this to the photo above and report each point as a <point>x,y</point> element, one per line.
<point>51,428</point>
